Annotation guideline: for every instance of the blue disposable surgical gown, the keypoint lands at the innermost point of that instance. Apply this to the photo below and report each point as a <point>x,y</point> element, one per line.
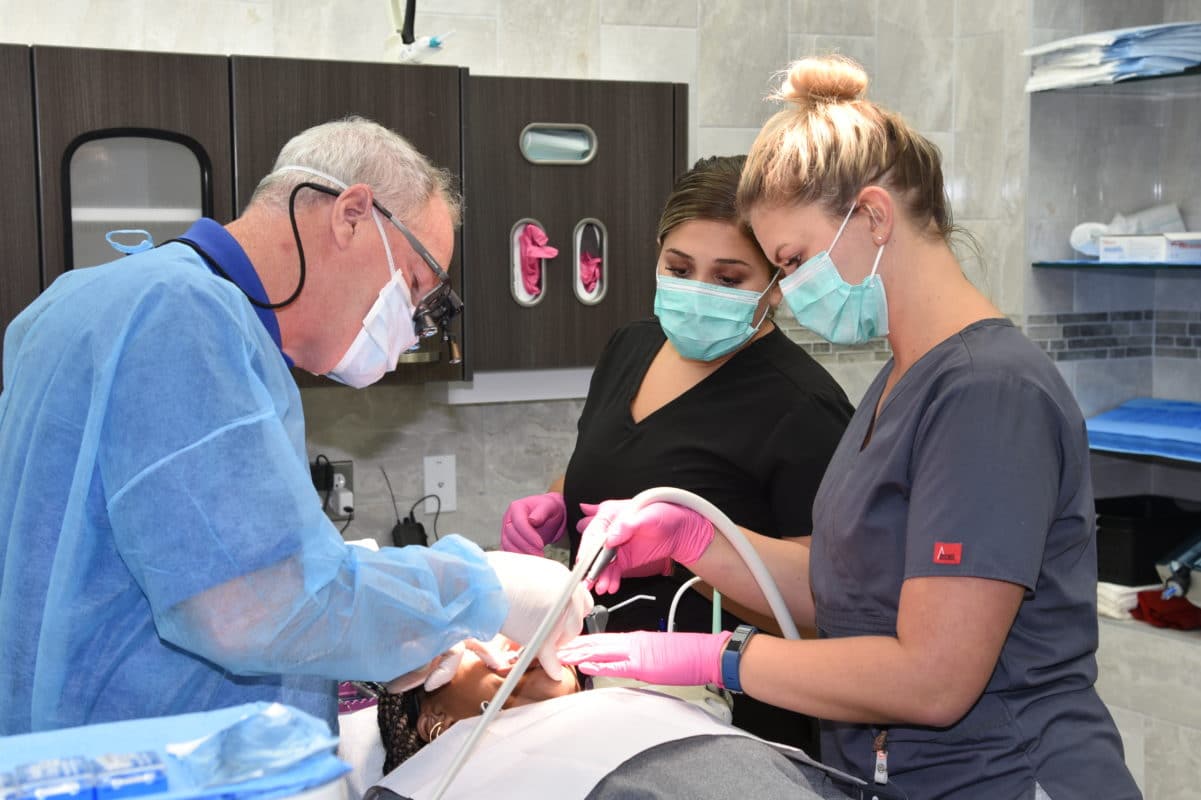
<point>162,549</point>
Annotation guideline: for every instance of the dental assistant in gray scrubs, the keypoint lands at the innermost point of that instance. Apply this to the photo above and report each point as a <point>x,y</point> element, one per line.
<point>952,573</point>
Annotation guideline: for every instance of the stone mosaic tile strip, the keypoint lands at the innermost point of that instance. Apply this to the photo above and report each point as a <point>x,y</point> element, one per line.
<point>1064,336</point>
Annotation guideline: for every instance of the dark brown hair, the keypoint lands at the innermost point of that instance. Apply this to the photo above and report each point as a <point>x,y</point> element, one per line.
<point>707,191</point>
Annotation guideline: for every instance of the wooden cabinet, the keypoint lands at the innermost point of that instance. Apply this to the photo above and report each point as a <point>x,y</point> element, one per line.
<point>19,256</point>
<point>274,99</point>
<point>640,146</point>
<point>232,115</point>
<point>84,96</point>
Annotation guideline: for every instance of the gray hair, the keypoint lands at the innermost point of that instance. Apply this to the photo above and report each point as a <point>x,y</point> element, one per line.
<point>357,150</point>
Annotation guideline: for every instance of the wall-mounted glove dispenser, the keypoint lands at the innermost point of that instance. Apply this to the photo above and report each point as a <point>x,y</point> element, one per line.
<point>594,180</point>
<point>591,273</point>
<point>529,249</point>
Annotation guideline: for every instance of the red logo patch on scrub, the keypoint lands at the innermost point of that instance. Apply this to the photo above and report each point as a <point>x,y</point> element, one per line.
<point>948,552</point>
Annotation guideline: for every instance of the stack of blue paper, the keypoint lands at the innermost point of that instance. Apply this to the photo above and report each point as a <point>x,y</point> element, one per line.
<point>1145,426</point>
<point>1111,56</point>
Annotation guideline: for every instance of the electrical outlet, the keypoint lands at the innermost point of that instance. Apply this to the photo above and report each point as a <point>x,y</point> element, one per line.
<point>341,491</point>
<point>440,480</point>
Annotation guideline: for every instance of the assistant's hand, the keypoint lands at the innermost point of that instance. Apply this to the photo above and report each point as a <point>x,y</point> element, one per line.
<point>653,533</point>
<point>533,522</point>
<point>672,659</point>
<point>532,585</point>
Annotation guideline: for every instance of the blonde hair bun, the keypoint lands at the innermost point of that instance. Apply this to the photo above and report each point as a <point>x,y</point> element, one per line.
<point>823,79</point>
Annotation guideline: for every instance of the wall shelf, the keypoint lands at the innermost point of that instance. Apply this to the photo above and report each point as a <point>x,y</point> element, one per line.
<point>1092,263</point>
<point>1144,84</point>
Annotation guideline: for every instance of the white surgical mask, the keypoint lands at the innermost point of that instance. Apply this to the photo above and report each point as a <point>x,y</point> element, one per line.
<point>387,329</point>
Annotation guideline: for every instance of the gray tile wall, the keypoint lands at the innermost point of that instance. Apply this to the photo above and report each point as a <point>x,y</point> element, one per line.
<point>935,61</point>
<point>1099,152</point>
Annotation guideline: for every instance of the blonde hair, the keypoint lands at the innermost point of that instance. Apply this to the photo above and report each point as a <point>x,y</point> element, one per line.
<point>835,142</point>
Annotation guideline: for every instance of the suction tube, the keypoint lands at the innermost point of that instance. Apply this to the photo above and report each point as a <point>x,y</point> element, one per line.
<point>584,564</point>
<point>737,540</point>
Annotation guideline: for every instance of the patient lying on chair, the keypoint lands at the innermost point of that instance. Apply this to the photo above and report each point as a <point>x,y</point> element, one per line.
<point>554,740</point>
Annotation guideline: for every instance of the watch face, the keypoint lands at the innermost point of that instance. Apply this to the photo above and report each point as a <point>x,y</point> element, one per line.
<point>742,633</point>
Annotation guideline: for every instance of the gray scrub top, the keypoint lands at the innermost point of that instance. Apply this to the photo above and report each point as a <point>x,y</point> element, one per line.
<point>977,466</point>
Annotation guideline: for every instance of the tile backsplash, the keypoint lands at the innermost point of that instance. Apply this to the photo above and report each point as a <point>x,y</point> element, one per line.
<point>1079,336</point>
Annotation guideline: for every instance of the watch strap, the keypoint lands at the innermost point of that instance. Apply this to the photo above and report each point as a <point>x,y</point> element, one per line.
<point>731,656</point>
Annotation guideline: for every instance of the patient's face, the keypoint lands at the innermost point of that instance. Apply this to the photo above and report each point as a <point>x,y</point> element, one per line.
<point>475,683</point>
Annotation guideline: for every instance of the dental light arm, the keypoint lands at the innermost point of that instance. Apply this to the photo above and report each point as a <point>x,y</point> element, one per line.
<point>586,566</point>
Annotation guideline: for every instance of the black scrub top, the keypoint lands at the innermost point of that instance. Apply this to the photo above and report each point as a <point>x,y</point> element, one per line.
<point>977,466</point>
<point>753,438</point>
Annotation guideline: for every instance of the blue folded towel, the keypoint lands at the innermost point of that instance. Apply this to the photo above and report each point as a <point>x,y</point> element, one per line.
<point>1143,426</point>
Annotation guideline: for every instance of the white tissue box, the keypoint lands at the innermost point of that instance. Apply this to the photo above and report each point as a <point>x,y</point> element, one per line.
<point>1183,248</point>
<point>1160,248</point>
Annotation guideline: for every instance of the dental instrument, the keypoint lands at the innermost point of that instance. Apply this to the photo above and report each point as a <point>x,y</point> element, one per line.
<point>586,568</point>
<point>598,619</point>
<point>675,601</point>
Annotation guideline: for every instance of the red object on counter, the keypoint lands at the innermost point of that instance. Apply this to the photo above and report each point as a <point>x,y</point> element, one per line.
<point>1176,613</point>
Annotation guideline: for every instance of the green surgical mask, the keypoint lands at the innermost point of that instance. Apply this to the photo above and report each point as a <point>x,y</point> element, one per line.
<point>703,321</point>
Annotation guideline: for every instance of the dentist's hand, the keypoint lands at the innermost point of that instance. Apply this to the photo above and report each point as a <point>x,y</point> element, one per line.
<point>533,522</point>
<point>442,669</point>
<point>656,532</point>
<point>672,659</point>
<point>532,585</point>
<point>431,676</point>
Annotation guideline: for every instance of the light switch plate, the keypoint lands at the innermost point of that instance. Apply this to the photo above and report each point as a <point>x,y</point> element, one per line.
<point>440,480</point>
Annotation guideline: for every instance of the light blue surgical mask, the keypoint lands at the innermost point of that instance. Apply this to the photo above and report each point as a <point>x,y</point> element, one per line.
<point>703,321</point>
<point>832,308</point>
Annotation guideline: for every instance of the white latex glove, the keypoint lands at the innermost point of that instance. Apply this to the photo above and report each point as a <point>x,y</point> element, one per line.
<point>420,676</point>
<point>532,585</point>
<point>442,669</point>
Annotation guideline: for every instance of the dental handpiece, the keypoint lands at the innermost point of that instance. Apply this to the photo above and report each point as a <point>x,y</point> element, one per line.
<point>603,559</point>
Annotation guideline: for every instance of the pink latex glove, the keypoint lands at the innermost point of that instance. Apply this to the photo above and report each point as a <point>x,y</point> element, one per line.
<point>533,522</point>
<point>533,244</point>
<point>672,659</point>
<point>590,271</point>
<point>656,532</point>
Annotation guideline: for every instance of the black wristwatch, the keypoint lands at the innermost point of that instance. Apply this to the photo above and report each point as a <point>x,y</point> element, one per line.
<point>731,657</point>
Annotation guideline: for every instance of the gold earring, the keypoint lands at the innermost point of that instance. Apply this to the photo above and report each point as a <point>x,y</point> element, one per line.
<point>436,731</point>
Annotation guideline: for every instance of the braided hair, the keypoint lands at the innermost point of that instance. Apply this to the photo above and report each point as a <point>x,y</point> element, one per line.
<point>397,718</point>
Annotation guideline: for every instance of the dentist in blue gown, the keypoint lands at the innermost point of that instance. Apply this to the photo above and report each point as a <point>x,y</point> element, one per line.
<point>162,549</point>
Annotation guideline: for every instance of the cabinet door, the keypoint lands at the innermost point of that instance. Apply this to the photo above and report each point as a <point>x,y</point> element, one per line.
<point>128,140</point>
<point>19,267</point>
<point>639,148</point>
<point>274,99</point>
